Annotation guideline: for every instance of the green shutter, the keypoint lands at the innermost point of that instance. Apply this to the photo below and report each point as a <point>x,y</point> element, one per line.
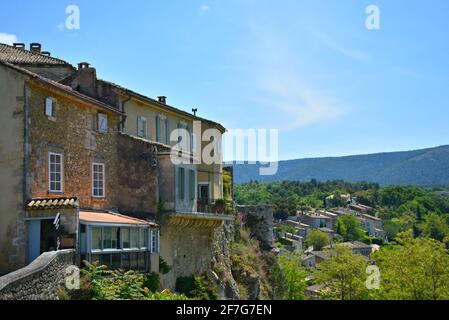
<point>181,181</point>
<point>192,184</point>
<point>167,131</point>
<point>158,129</point>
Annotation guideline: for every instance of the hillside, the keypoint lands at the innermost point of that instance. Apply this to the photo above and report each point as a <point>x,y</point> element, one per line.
<point>418,167</point>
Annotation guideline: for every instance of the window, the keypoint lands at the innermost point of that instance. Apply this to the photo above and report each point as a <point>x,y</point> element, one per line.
<point>162,129</point>
<point>181,183</point>
<point>49,107</point>
<point>192,188</point>
<point>141,127</point>
<point>102,123</point>
<point>154,240</point>
<point>134,238</point>
<point>134,263</point>
<point>96,239</point>
<point>55,172</point>
<point>125,238</point>
<point>204,193</point>
<point>98,180</point>
<point>109,238</point>
<point>143,239</point>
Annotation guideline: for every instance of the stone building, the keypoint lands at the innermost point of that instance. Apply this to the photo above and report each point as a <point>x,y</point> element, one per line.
<point>75,146</point>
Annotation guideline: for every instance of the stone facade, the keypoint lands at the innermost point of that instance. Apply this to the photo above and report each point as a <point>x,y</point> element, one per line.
<point>187,249</point>
<point>259,219</point>
<point>137,176</point>
<point>13,246</point>
<point>40,280</point>
<point>71,132</point>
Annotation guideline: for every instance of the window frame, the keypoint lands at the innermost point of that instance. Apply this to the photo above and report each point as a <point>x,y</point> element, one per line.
<point>47,100</point>
<point>105,117</point>
<point>103,181</point>
<point>61,182</point>
<point>143,120</point>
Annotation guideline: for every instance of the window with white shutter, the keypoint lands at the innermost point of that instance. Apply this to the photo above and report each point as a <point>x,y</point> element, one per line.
<point>102,123</point>
<point>141,127</point>
<point>49,107</point>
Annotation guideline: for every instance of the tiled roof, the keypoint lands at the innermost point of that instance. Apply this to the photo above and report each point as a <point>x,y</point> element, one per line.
<point>162,105</point>
<point>108,217</point>
<point>52,203</point>
<point>21,56</point>
<point>61,87</point>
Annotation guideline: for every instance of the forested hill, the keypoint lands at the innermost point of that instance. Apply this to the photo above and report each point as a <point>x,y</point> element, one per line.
<point>418,167</point>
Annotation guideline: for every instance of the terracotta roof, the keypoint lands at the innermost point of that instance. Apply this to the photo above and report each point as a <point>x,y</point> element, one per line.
<point>52,203</point>
<point>58,86</point>
<point>140,96</point>
<point>22,56</point>
<point>108,217</point>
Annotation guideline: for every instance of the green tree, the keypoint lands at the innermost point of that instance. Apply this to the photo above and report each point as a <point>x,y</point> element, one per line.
<point>344,274</point>
<point>415,269</point>
<point>349,228</point>
<point>392,228</point>
<point>318,239</point>
<point>294,275</point>
<point>434,226</point>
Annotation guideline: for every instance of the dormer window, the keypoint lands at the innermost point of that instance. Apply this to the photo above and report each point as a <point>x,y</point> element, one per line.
<point>49,110</point>
<point>102,123</point>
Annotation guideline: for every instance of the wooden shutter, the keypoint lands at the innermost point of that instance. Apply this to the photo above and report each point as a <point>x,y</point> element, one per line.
<point>167,131</point>
<point>158,129</point>
<point>192,186</point>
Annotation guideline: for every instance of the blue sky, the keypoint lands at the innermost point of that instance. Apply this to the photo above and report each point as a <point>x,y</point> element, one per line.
<point>308,68</point>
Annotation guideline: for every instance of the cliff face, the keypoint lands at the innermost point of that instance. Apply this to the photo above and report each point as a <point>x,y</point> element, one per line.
<point>221,263</point>
<point>242,258</point>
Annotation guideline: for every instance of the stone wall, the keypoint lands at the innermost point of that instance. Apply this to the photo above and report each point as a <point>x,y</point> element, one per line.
<point>40,280</point>
<point>72,132</point>
<point>137,176</point>
<point>188,250</point>
<point>259,220</point>
<point>12,226</point>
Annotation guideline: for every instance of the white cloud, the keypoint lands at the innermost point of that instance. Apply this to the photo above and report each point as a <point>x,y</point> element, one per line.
<point>285,86</point>
<point>335,45</point>
<point>8,38</point>
<point>204,9</point>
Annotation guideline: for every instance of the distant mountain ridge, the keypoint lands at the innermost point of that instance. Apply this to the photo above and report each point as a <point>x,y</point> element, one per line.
<point>422,167</point>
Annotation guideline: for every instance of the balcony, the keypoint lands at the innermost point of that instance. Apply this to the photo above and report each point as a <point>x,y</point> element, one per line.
<point>215,206</point>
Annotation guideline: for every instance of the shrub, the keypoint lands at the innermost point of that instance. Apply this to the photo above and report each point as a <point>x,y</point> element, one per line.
<point>164,267</point>
<point>152,281</point>
<point>199,287</point>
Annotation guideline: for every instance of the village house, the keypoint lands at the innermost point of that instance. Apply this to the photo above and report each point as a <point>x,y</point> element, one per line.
<point>95,158</point>
<point>315,220</point>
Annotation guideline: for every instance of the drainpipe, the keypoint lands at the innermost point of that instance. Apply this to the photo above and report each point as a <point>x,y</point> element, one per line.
<point>123,116</point>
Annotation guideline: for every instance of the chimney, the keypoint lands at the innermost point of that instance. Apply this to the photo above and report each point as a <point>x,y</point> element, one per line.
<point>46,53</point>
<point>83,65</point>
<point>162,99</point>
<point>85,80</point>
<point>35,47</point>
<point>19,45</point>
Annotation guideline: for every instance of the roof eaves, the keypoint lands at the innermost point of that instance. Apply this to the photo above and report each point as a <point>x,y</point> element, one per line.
<point>60,87</point>
<point>164,106</point>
